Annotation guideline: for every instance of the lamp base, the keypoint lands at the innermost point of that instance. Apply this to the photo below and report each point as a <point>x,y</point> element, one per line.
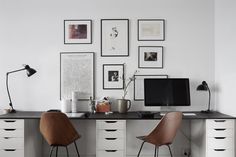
<point>206,111</point>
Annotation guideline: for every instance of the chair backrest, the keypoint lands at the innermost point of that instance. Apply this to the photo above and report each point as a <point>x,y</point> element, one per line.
<point>57,129</point>
<point>166,130</point>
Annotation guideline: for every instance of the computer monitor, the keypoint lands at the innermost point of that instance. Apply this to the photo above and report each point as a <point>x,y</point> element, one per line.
<point>166,92</point>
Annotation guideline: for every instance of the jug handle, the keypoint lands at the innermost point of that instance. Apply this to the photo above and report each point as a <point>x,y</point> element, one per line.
<point>129,105</point>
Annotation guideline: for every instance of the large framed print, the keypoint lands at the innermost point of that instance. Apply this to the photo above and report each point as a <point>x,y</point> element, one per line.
<point>139,85</point>
<point>77,74</point>
<point>77,31</point>
<point>113,76</point>
<point>150,57</point>
<point>151,30</point>
<point>114,37</point>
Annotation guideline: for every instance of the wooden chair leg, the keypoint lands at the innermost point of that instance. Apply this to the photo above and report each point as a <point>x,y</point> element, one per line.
<point>140,149</point>
<point>76,149</point>
<point>51,150</point>
<point>67,152</point>
<point>170,151</point>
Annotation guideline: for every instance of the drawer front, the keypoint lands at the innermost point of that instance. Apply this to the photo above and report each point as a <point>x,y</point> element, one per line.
<point>110,153</point>
<point>220,123</point>
<point>12,153</point>
<point>111,124</point>
<point>110,144</point>
<point>110,133</point>
<point>223,132</point>
<point>226,143</point>
<point>220,153</point>
<point>11,123</point>
<point>11,133</point>
<point>11,143</point>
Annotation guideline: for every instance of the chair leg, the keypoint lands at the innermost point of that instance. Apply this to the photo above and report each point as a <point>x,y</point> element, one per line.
<point>67,153</point>
<point>155,151</point>
<point>51,150</point>
<point>56,150</point>
<point>170,151</point>
<point>76,149</point>
<point>140,148</point>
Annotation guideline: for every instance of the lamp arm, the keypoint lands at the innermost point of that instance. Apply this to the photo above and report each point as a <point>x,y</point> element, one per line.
<point>209,102</point>
<point>15,71</point>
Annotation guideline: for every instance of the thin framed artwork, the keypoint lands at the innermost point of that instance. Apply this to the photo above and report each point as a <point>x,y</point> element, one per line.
<point>150,57</point>
<point>113,75</point>
<point>139,85</point>
<point>77,74</point>
<point>77,31</point>
<point>114,37</point>
<point>151,30</point>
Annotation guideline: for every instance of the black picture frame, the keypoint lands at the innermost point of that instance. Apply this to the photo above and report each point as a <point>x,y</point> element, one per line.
<point>111,69</point>
<point>151,29</point>
<point>89,87</point>
<point>114,43</point>
<point>139,85</point>
<point>84,38</point>
<point>155,59</point>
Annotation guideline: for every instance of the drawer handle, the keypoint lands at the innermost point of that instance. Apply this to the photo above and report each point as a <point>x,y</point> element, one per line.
<point>219,120</point>
<point>7,137</point>
<point>110,138</point>
<point>9,150</point>
<point>9,129</point>
<point>110,150</point>
<point>219,150</point>
<point>111,130</point>
<point>10,121</point>
<point>219,137</point>
<point>219,129</point>
<point>110,121</point>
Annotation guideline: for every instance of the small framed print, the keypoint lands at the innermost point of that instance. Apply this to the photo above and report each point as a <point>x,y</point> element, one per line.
<point>77,31</point>
<point>150,57</point>
<point>151,30</point>
<point>114,37</point>
<point>139,85</point>
<point>113,76</point>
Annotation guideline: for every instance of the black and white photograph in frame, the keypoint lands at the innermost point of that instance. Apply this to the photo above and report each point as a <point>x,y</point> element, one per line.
<point>114,37</point>
<point>77,31</point>
<point>139,85</point>
<point>150,57</point>
<point>151,30</point>
<point>77,74</point>
<point>113,76</point>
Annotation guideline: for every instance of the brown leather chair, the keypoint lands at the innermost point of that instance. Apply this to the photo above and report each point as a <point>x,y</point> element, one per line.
<point>164,133</point>
<point>57,130</point>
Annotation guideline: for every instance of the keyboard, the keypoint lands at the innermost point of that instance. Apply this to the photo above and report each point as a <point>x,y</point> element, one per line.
<point>184,114</point>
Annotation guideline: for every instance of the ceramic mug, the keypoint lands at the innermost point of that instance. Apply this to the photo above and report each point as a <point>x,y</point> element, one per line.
<point>123,105</point>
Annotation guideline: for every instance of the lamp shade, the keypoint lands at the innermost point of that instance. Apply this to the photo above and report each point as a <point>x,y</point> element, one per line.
<point>30,71</point>
<point>203,86</point>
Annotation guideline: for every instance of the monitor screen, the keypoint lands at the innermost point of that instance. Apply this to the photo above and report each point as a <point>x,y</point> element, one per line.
<point>166,92</point>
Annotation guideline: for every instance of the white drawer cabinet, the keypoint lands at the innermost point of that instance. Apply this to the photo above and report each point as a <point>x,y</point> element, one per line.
<point>220,138</point>
<point>111,138</point>
<point>20,138</point>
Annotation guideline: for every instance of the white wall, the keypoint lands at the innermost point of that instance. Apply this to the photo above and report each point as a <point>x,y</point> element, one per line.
<point>32,32</point>
<point>225,39</point>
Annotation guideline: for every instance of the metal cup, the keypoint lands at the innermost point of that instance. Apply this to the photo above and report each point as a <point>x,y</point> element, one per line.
<point>123,105</point>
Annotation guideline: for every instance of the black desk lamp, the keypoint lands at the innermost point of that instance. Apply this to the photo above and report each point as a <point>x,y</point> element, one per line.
<point>204,87</point>
<point>29,71</point>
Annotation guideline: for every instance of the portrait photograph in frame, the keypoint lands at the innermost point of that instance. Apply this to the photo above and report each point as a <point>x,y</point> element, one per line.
<point>114,37</point>
<point>77,74</point>
<point>113,75</point>
<point>77,31</point>
<point>151,30</point>
<point>150,57</point>
<point>139,85</point>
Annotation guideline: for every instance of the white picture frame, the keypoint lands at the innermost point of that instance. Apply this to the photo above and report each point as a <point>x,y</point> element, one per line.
<point>139,85</point>
<point>77,74</point>
<point>114,37</point>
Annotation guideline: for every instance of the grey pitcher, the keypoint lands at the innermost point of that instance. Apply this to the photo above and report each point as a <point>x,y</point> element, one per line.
<point>123,105</point>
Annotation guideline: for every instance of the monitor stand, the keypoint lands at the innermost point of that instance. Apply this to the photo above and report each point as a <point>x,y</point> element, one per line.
<point>165,109</point>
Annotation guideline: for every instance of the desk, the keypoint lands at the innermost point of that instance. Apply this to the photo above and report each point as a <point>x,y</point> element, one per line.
<point>201,133</point>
